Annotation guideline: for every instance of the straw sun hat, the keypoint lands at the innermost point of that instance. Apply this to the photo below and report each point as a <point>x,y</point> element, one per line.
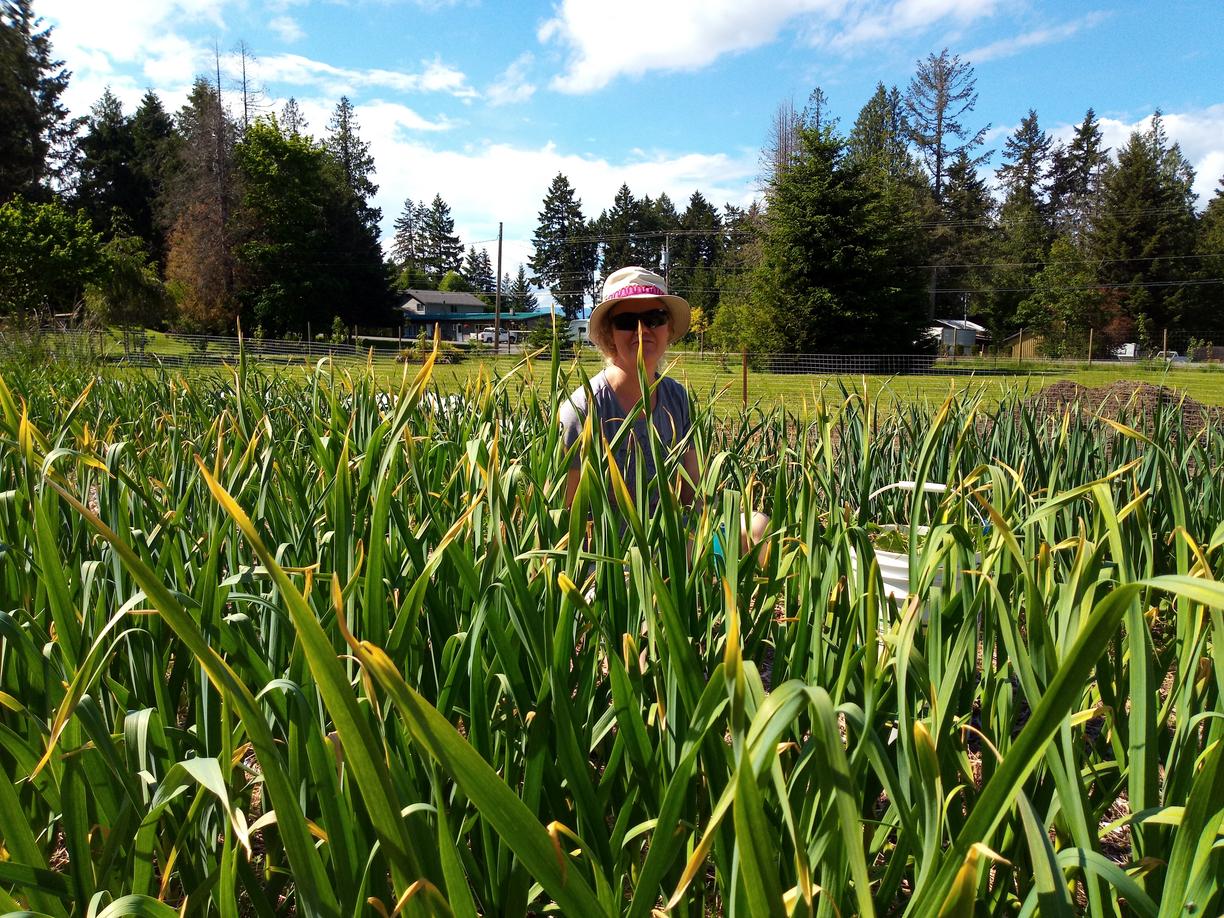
<point>634,283</point>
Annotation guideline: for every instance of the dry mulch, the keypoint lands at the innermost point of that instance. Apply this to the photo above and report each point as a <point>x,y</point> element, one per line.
<point>1125,400</point>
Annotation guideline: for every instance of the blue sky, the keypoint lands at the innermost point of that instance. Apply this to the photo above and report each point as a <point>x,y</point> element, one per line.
<point>484,102</point>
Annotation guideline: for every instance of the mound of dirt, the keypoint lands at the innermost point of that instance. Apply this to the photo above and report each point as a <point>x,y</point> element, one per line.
<point>1125,400</point>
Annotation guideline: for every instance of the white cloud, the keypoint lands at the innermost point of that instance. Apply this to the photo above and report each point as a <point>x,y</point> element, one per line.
<point>1006,47</point>
<point>500,182</point>
<point>870,24</point>
<point>632,37</point>
<point>512,85</point>
<point>297,70</point>
<point>287,29</point>
<point>605,41</point>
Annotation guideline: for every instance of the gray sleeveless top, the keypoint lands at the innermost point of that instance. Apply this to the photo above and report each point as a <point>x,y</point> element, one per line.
<point>670,417</point>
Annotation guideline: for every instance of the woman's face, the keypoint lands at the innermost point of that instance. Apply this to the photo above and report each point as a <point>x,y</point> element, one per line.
<point>625,339</point>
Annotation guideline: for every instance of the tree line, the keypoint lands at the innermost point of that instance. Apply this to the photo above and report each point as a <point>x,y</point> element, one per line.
<point>861,236</point>
<point>865,235</point>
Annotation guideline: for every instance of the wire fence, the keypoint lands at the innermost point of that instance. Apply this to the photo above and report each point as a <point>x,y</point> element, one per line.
<point>142,348</point>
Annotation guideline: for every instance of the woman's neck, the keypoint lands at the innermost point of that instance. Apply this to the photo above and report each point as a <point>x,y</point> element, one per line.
<point>626,385</point>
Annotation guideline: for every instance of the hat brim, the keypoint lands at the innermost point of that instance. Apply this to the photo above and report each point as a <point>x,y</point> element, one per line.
<point>677,306</point>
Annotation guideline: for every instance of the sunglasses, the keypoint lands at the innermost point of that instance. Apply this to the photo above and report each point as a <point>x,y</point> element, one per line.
<point>651,318</point>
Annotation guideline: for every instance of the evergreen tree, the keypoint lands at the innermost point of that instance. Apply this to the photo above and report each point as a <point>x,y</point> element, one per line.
<point>1145,228</point>
<point>522,299</point>
<point>658,220</point>
<point>155,148</point>
<point>1075,178</point>
<point>563,260</point>
<point>36,142</point>
<point>962,244</point>
<point>408,243</point>
<point>696,254</point>
<point>621,229</point>
<point>834,273</point>
<point>442,249</point>
<point>1026,162</point>
<point>478,271</point>
<point>941,94</point>
<point>107,185</point>
<point>1211,268</point>
<point>292,120</point>
<point>879,140</point>
<point>352,154</point>
<point>1025,233</point>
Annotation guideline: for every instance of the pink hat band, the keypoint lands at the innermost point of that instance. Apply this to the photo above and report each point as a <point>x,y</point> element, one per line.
<point>637,290</point>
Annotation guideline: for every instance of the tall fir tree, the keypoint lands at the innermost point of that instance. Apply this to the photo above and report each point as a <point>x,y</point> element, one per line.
<point>478,271</point>
<point>696,254</point>
<point>1145,228</point>
<point>408,242</point>
<point>1210,272</point>
<point>940,95</point>
<point>879,140</point>
<point>1075,178</point>
<point>563,257</point>
<point>620,229</point>
<point>1025,232</point>
<point>352,154</point>
<point>37,146</point>
<point>155,150</point>
<point>1026,162</point>
<point>443,251</point>
<point>835,275</point>
<point>107,185</point>
<point>962,243</point>
<point>522,298</point>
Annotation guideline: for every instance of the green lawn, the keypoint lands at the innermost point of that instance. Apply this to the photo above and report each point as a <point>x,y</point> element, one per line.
<point>796,391</point>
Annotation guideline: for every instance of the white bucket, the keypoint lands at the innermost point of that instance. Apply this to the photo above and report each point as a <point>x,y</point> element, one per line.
<point>894,569</point>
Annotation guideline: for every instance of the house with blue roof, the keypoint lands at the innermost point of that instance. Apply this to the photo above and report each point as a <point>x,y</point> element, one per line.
<point>459,316</point>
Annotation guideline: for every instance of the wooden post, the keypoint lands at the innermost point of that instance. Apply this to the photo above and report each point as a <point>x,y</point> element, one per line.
<point>1164,345</point>
<point>1090,345</point>
<point>1020,345</point>
<point>497,295</point>
<point>744,368</point>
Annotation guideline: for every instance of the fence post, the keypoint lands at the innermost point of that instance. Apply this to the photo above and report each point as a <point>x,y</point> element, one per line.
<point>1090,345</point>
<point>1164,346</point>
<point>744,369</point>
<point>1020,346</point>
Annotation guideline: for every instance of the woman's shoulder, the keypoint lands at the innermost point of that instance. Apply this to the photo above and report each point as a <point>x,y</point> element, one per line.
<point>672,390</point>
<point>575,407</point>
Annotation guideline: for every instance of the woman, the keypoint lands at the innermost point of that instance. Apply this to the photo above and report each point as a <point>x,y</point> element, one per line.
<point>636,310</point>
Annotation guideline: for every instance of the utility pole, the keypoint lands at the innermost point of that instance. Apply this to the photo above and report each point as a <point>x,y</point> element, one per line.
<point>497,296</point>
<point>667,260</point>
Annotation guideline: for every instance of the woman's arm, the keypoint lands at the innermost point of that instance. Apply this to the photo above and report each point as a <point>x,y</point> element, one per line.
<point>689,480</point>
<point>571,485</point>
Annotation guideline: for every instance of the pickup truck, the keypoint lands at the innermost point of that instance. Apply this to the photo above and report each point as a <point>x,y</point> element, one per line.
<point>506,337</point>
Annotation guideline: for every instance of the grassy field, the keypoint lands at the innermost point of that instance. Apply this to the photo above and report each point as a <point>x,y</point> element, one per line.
<point>723,383</point>
<point>798,393</point>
